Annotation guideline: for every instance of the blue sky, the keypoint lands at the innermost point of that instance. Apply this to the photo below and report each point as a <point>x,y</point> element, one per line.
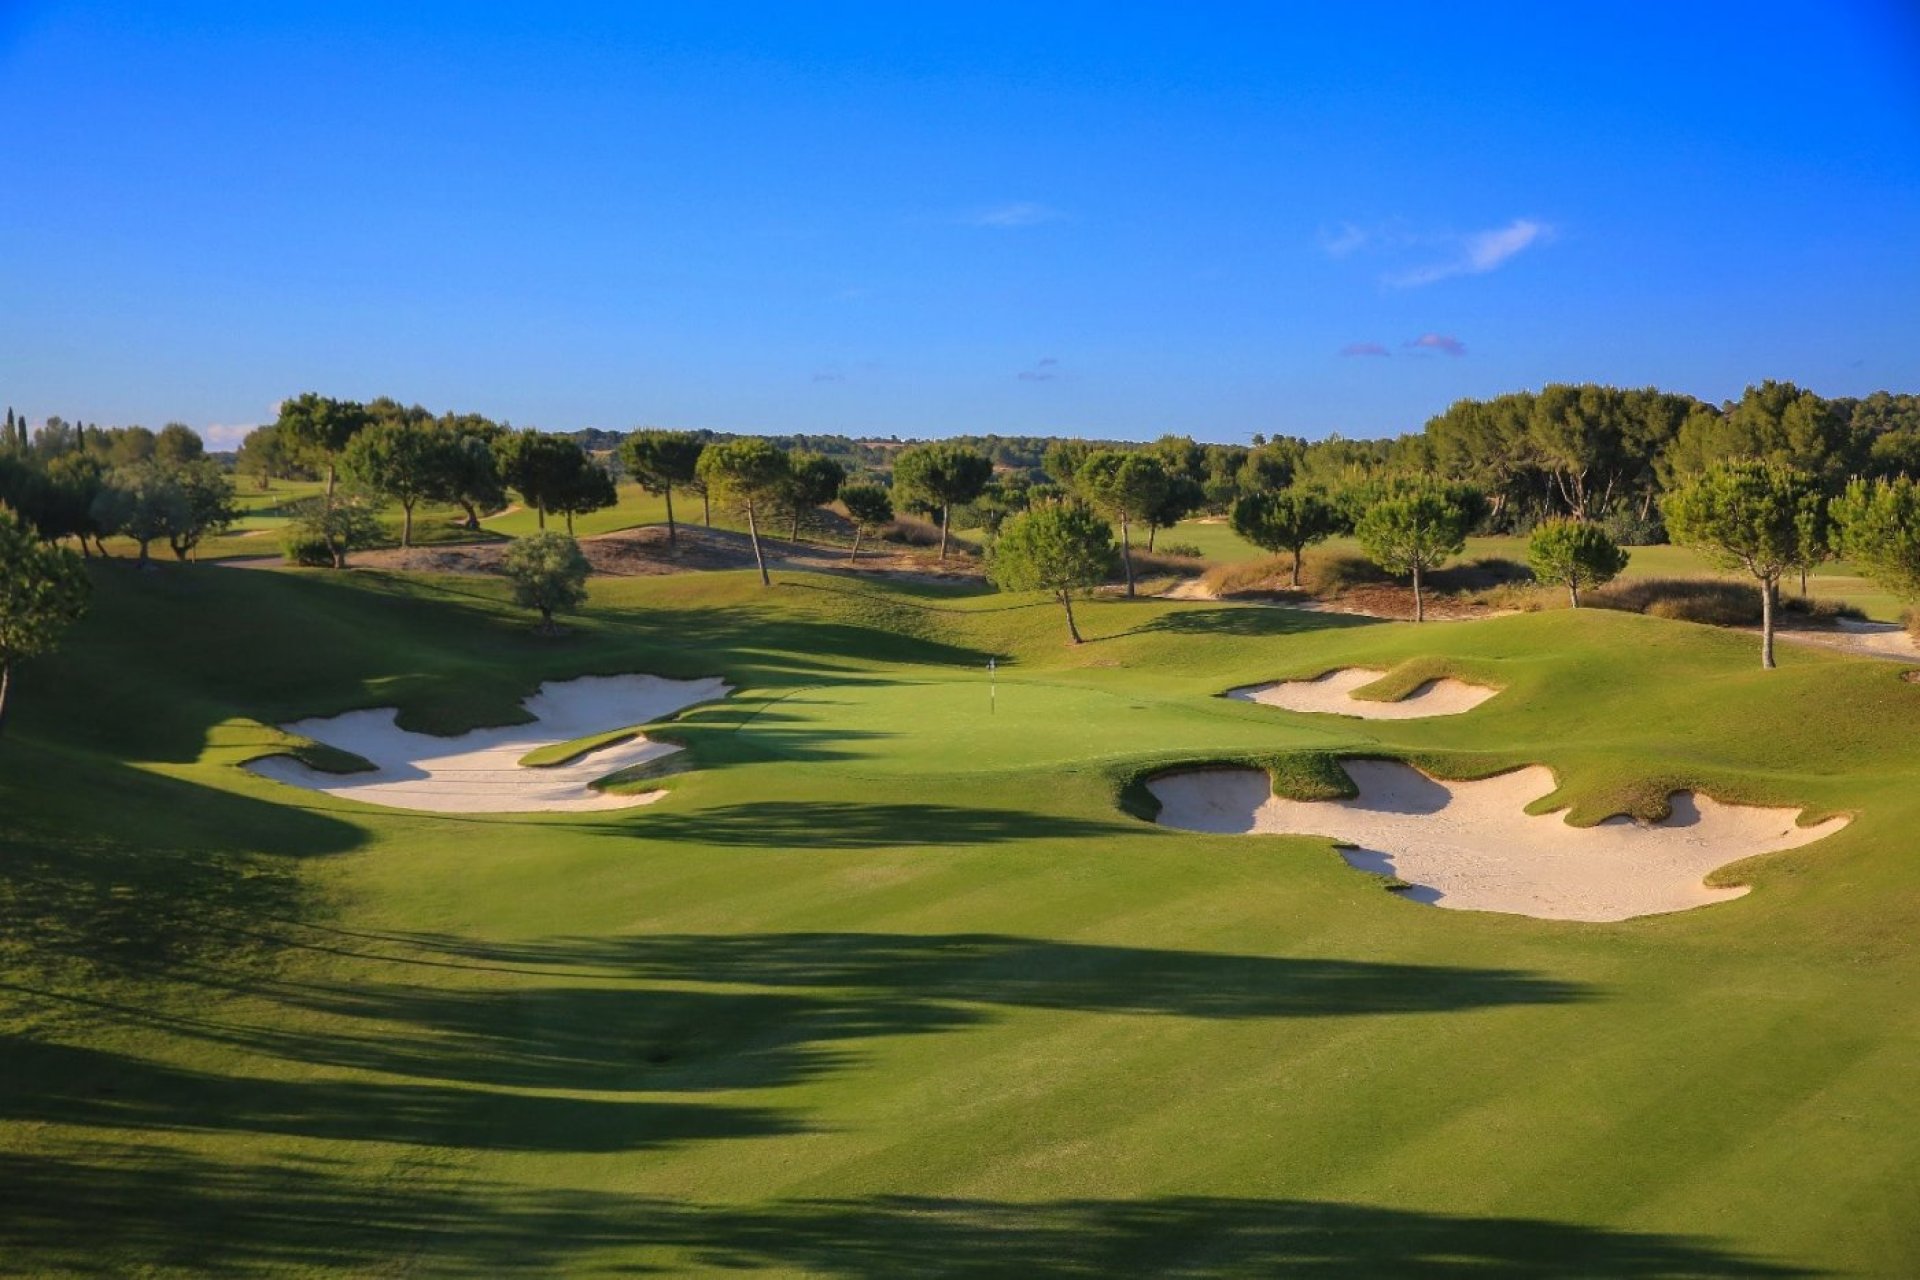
<point>1104,219</point>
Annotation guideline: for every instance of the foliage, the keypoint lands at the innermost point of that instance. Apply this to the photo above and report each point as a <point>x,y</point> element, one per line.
<point>1749,516</point>
<point>1063,550</point>
<point>343,523</point>
<point>1285,520</point>
<point>552,473</point>
<point>1879,525</point>
<point>320,427</point>
<point>943,476</point>
<point>813,480</point>
<point>662,461</point>
<point>1413,532</point>
<point>206,505</point>
<point>402,461</point>
<point>1574,554</point>
<point>43,591</point>
<point>870,508</point>
<point>1130,486</point>
<point>752,473</point>
<point>548,573</point>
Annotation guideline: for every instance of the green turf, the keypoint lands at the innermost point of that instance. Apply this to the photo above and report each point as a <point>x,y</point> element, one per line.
<point>889,984</point>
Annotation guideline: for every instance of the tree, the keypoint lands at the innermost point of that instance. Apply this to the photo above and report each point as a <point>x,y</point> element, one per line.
<point>1063,549</point>
<point>469,473</point>
<point>1413,531</point>
<point>321,428</point>
<point>943,476</point>
<point>660,460</point>
<point>1746,516</point>
<point>178,444</point>
<point>1879,527</point>
<point>206,505</point>
<point>870,507</point>
<point>813,480</point>
<point>544,468</point>
<point>1286,520</point>
<point>264,455</point>
<point>144,502</point>
<point>43,591</point>
<point>402,461</point>
<point>548,573</point>
<point>334,526</point>
<point>752,473</point>
<point>583,487</point>
<point>1574,553</point>
<point>1129,486</point>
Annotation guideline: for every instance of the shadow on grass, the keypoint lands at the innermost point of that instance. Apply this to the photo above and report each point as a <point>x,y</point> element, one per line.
<point>109,1209</point>
<point>834,824</point>
<point>1246,620</point>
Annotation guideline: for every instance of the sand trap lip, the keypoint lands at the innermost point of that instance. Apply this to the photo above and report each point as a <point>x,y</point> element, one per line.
<point>1332,694</point>
<point>480,771</point>
<point>1471,845</point>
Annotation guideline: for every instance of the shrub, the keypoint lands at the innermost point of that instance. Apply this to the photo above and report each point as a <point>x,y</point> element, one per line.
<point>1181,551</point>
<point>1912,620</point>
<point>303,547</point>
<point>1713,601</point>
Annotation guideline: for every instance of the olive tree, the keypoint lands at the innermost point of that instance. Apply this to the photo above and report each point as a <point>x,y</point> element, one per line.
<point>1285,520</point>
<point>870,508</point>
<point>1574,554</point>
<point>1879,530</point>
<point>326,531</point>
<point>943,476</point>
<point>1746,516</point>
<point>43,591</point>
<point>1063,549</point>
<point>1414,531</point>
<point>206,505</point>
<point>548,573</point>
<point>661,460</point>
<point>752,473</point>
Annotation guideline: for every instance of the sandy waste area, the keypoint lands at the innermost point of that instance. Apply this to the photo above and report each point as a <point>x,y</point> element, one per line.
<point>1332,694</point>
<point>1471,845</point>
<point>480,771</point>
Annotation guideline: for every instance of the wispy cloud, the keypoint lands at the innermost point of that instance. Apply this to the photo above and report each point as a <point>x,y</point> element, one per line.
<point>1045,369</point>
<point>1019,213</point>
<point>1364,349</point>
<point>1444,343</point>
<point>1476,253</point>
<point>1343,240</point>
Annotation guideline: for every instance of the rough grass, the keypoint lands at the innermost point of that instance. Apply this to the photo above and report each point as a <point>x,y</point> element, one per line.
<point>890,985</point>
<point>1713,601</point>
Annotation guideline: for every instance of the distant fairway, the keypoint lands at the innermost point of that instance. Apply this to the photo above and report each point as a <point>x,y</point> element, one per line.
<point>891,984</point>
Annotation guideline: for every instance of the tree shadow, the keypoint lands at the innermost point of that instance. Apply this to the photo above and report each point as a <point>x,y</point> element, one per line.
<point>46,1083</point>
<point>999,969</point>
<point>1246,620</point>
<point>109,1210</point>
<point>836,824</point>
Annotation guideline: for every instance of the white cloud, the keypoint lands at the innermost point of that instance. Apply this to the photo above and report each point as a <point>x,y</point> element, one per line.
<point>1020,213</point>
<point>223,436</point>
<point>1476,253</point>
<point>1343,240</point>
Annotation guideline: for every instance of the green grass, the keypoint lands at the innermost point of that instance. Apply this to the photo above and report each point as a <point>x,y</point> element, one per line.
<point>890,984</point>
<point>636,507</point>
<point>1835,581</point>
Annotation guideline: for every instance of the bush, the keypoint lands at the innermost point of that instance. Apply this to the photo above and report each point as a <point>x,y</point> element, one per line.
<point>1630,529</point>
<point>1180,551</point>
<point>305,548</point>
<point>1912,620</point>
<point>1707,600</point>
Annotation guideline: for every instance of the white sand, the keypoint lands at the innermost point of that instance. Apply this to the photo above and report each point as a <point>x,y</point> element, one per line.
<point>480,771</point>
<point>1472,846</point>
<point>1332,694</point>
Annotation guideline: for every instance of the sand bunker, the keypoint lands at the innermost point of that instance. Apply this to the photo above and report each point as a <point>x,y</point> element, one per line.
<point>1332,694</point>
<point>480,771</point>
<point>1472,846</point>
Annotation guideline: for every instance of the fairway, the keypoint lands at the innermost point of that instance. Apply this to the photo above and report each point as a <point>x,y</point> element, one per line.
<point>893,981</point>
